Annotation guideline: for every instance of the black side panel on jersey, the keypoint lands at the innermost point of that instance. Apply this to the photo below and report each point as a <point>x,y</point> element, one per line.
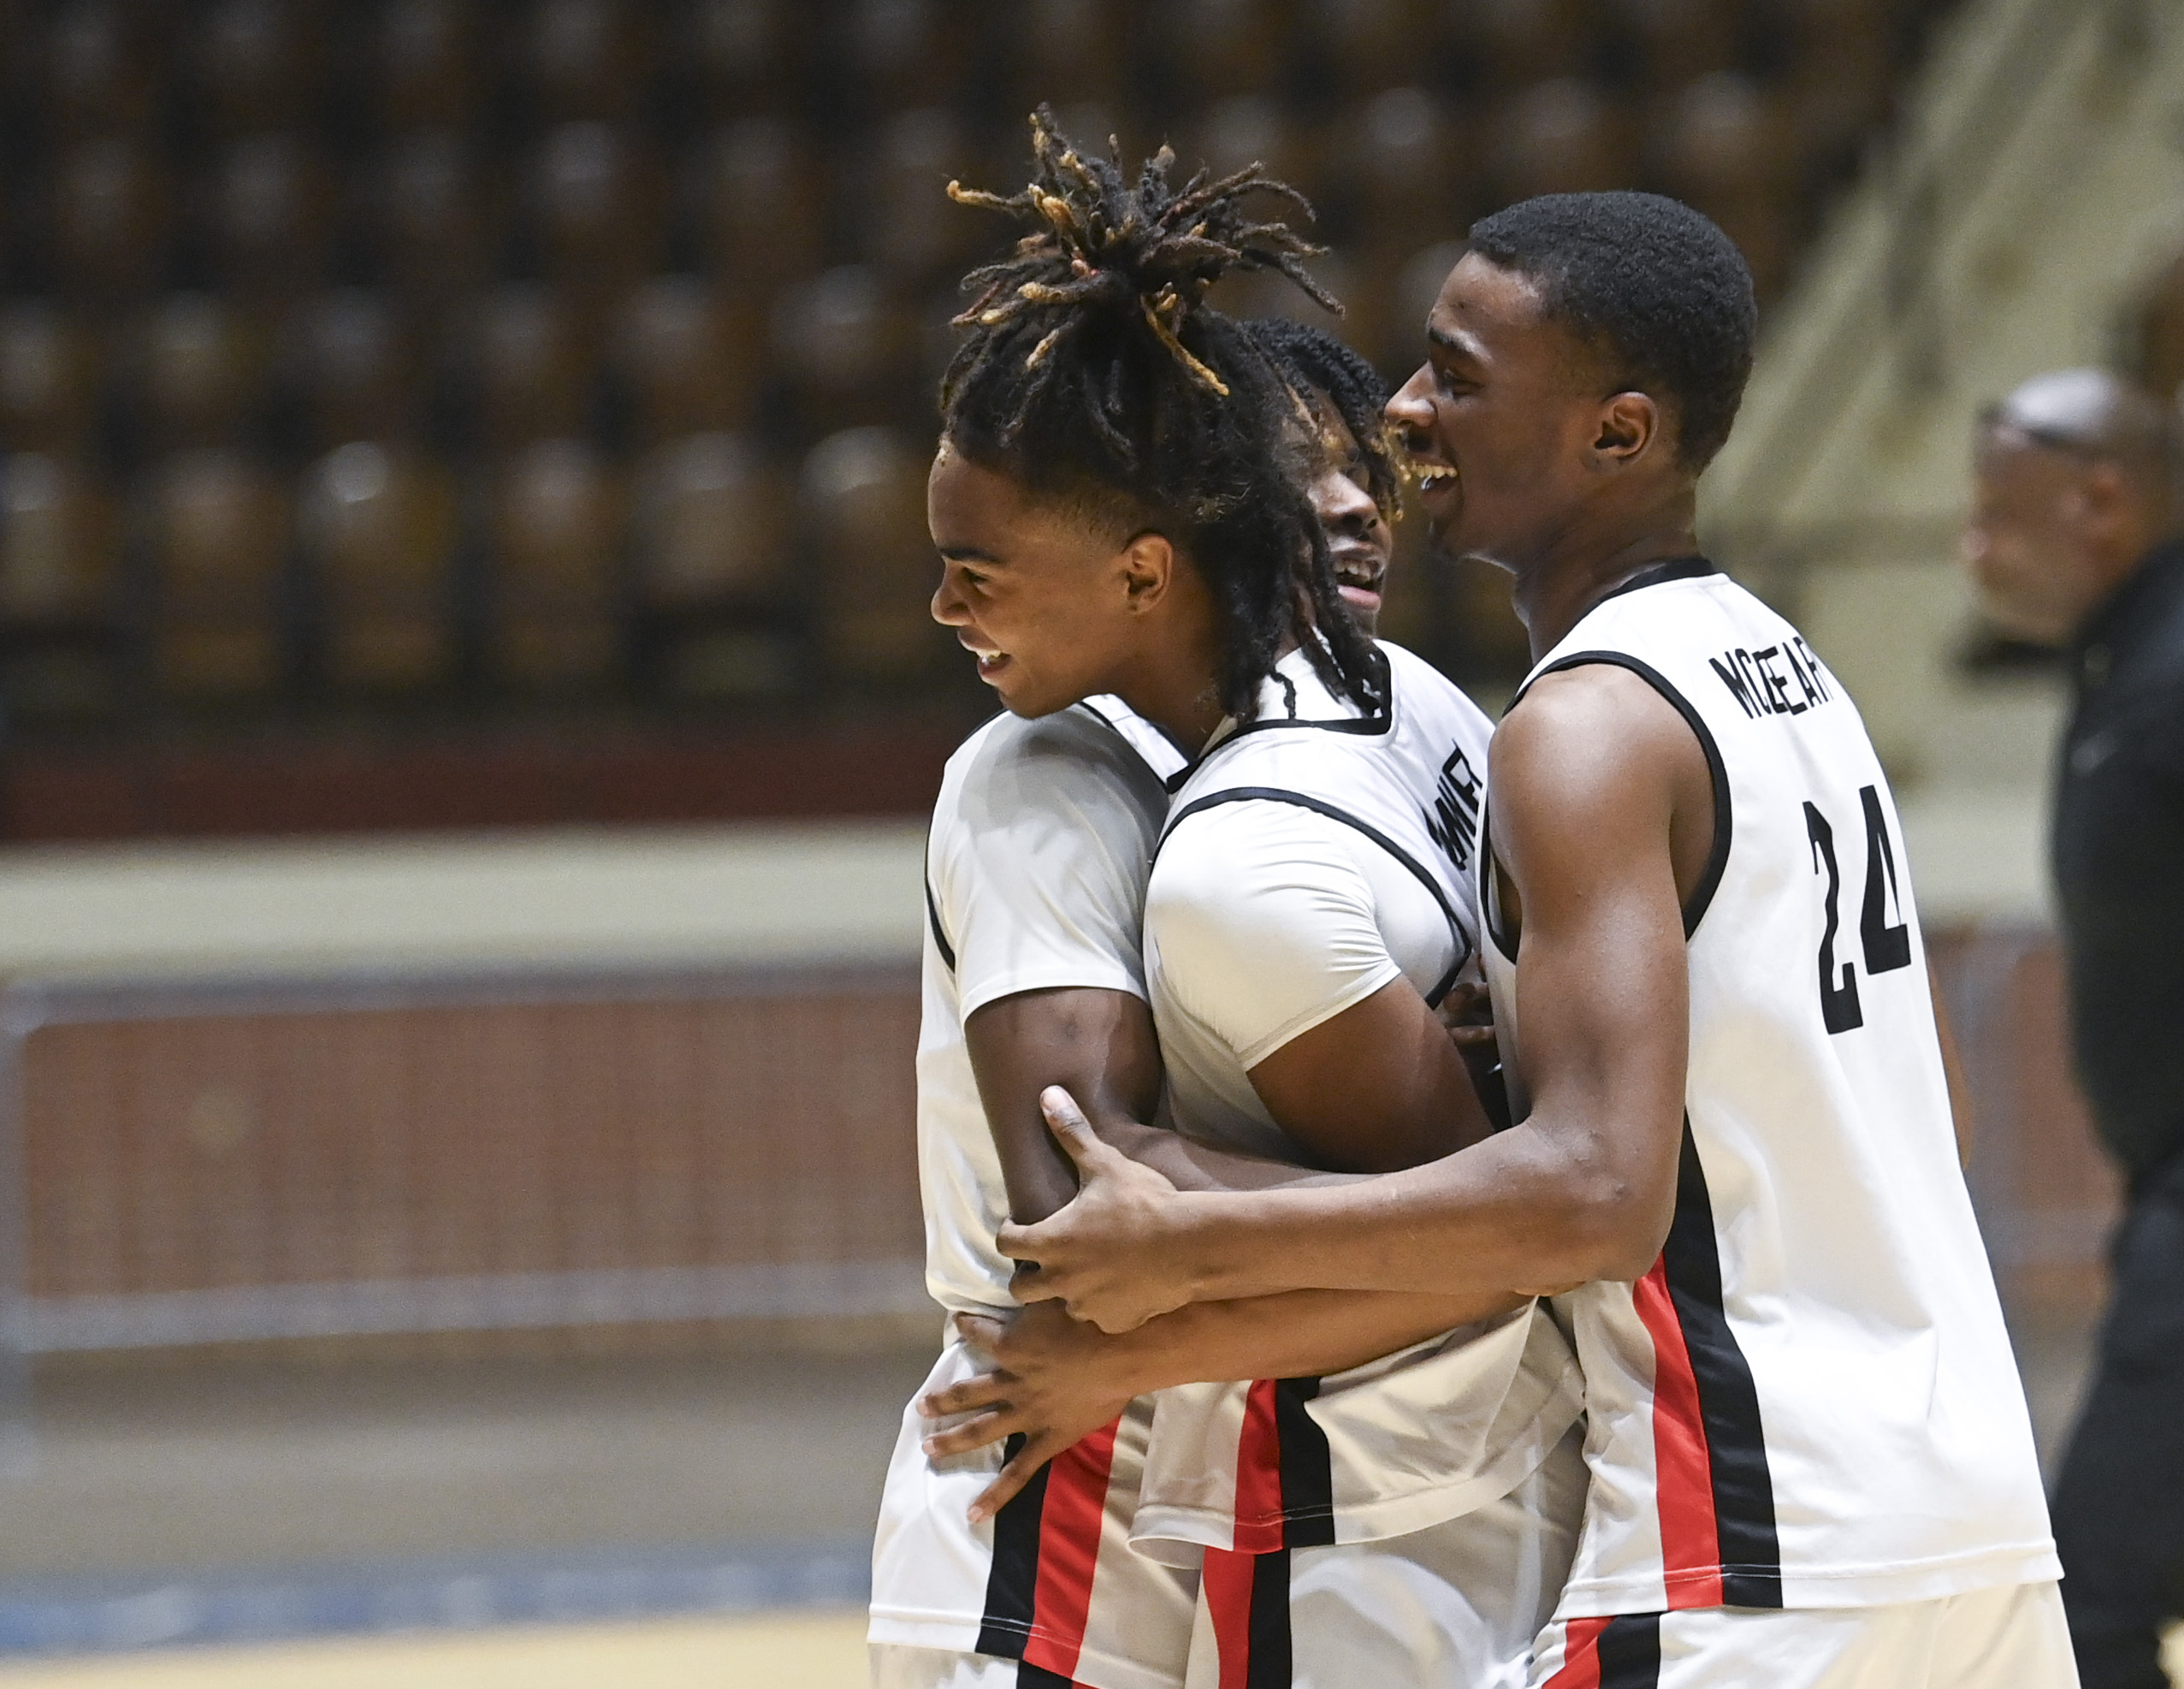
<point>1729,1399</point>
<point>1418,871</point>
<point>1717,858</point>
<point>1012,1585</point>
<point>1307,1469</point>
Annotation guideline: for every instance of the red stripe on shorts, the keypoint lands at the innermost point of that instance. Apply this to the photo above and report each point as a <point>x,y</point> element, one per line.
<point>1690,1536</point>
<point>1580,1655</point>
<point>1068,1550</point>
<point>1225,1585</point>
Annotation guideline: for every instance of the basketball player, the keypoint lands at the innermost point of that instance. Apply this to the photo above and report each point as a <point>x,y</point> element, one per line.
<point>1037,867</point>
<point>1317,907</point>
<point>1810,1460</point>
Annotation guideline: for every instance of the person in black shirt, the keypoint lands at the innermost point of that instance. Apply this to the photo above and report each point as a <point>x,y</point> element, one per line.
<point>2076,539</point>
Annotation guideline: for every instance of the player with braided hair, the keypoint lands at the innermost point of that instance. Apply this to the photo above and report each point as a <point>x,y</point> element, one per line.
<point>1379,1489</point>
<point>1357,492</point>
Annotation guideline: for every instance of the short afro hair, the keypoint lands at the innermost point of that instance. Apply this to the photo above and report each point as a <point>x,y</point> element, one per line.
<point>1311,360</point>
<point>1661,291</point>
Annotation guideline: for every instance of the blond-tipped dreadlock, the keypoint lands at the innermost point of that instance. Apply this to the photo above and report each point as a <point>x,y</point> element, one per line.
<point>1095,374</point>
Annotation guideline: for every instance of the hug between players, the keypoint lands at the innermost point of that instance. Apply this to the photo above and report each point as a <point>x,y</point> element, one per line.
<point>1422,1202</point>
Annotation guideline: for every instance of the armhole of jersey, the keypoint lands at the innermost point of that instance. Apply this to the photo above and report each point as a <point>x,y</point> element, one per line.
<point>1718,857</point>
<point>1490,920</point>
<point>1418,871</point>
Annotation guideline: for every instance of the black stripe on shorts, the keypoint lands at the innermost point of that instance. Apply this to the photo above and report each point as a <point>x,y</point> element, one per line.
<point>1012,1585</point>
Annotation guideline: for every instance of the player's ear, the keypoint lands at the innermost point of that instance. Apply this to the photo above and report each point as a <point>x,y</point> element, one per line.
<point>1148,563</point>
<point>1628,424</point>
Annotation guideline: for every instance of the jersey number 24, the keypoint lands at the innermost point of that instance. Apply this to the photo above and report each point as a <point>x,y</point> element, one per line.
<point>1887,947</point>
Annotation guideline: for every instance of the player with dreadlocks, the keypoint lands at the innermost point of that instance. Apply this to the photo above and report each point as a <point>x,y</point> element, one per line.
<point>1122,502</point>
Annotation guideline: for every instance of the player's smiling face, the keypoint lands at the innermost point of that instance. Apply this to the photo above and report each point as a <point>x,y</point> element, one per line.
<point>1498,419</point>
<point>1357,533</point>
<point>1051,605</point>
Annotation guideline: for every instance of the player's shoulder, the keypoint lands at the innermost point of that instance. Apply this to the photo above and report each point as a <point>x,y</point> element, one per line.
<point>1079,742</point>
<point>1070,772</point>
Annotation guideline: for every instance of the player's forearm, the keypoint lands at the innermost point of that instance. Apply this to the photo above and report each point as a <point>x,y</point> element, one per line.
<point>1304,1333</point>
<point>1520,1213</point>
<point>1190,1166</point>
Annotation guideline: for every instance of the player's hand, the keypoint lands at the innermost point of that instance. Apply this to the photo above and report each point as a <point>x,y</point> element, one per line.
<point>1054,1381</point>
<point>1467,1014</point>
<point>1109,1255</point>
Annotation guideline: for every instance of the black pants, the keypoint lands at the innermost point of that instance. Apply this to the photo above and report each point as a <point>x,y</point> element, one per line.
<point>2119,1506</point>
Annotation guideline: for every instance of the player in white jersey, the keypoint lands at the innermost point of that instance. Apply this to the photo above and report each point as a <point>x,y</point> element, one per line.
<point>1036,866</point>
<point>1407,1513</point>
<point>1809,1457</point>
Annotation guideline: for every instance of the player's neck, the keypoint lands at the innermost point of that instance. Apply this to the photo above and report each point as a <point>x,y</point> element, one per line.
<point>1590,561</point>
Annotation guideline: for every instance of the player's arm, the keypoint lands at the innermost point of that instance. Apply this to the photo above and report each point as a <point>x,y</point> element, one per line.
<point>1053,1379</point>
<point>1103,1040</point>
<point>1601,815</point>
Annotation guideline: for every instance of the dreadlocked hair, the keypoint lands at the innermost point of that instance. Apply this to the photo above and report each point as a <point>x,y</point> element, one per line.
<point>1312,361</point>
<point>1096,377</point>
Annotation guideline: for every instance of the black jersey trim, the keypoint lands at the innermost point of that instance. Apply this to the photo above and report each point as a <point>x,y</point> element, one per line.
<point>1729,1399</point>
<point>1692,568</point>
<point>1378,718</point>
<point>1012,1584</point>
<point>939,934</point>
<point>1717,857</point>
<point>1189,757</point>
<point>1423,875</point>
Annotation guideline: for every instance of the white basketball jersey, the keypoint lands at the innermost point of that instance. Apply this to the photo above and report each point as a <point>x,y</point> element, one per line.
<point>1035,877</point>
<point>1449,1424</point>
<point>1810,1400</point>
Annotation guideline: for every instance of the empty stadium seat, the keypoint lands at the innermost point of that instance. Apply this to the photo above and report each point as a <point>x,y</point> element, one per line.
<point>378,532</point>
<point>353,363</point>
<point>863,501</point>
<point>1722,147</point>
<point>1525,41</point>
<point>217,534</point>
<point>438,225</point>
<point>426,63</point>
<point>744,56</point>
<point>109,212</point>
<point>587,58</point>
<point>596,208</point>
<point>530,367</point>
<point>1678,40</point>
<point>1561,137</point>
<point>557,549</point>
<point>687,357</point>
<point>1406,163</point>
<point>1066,52</point>
<point>1362,46</point>
<point>271,216</point>
<point>49,379</point>
<point>909,226</point>
<point>902,53</point>
<point>256,64</point>
<point>1220,47</point>
<point>60,543</point>
<point>712,525</point>
<point>98,73</point>
<point>843,341</point>
<point>201,372</point>
<point>759,199</point>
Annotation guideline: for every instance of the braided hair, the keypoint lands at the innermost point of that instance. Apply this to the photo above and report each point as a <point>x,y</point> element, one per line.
<point>1311,360</point>
<point>1095,376</point>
